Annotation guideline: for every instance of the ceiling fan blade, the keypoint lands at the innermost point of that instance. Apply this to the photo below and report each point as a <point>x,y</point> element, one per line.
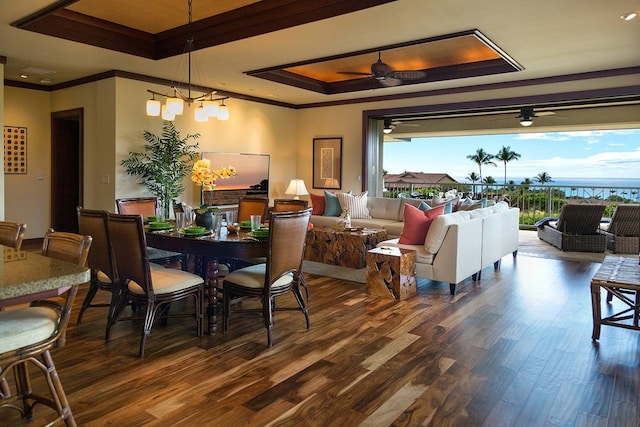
<point>408,74</point>
<point>544,113</point>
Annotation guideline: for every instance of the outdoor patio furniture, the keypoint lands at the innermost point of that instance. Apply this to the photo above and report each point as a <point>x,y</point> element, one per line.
<point>623,232</point>
<point>576,229</point>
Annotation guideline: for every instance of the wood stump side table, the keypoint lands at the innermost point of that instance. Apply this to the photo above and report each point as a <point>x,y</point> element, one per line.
<point>391,272</point>
<point>343,248</point>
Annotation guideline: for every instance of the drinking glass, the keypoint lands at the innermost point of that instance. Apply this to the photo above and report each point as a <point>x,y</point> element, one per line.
<point>232,217</point>
<point>256,220</point>
<point>180,220</point>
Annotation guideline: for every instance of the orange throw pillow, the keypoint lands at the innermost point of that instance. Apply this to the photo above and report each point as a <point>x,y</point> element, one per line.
<point>417,223</point>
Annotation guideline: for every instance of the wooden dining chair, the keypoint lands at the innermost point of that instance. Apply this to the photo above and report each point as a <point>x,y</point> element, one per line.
<point>280,274</point>
<point>11,234</point>
<point>145,207</point>
<point>104,275</point>
<point>248,206</point>
<point>28,333</point>
<point>152,288</point>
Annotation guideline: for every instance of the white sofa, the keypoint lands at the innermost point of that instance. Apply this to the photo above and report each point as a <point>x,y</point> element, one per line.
<point>459,245</point>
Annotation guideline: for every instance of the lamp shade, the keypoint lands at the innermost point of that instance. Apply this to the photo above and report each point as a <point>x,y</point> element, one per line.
<point>296,188</point>
<point>153,107</point>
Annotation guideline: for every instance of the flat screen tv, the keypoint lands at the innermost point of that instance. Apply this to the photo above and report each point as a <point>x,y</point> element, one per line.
<point>252,177</point>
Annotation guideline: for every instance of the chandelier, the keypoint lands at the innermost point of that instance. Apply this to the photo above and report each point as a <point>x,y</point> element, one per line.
<point>207,104</point>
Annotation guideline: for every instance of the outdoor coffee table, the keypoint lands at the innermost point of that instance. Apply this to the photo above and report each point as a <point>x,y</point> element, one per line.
<point>343,248</point>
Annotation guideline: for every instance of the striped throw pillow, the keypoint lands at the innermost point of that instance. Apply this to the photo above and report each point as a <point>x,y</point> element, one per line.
<point>357,205</point>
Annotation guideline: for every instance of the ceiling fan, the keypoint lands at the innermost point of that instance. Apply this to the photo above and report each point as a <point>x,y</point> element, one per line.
<point>391,124</point>
<point>527,115</point>
<point>386,75</point>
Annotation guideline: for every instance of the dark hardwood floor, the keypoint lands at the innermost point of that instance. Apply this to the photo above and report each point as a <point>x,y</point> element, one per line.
<point>513,350</point>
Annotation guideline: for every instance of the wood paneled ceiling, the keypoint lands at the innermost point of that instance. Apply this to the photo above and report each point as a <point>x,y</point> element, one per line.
<point>453,56</point>
<point>157,29</point>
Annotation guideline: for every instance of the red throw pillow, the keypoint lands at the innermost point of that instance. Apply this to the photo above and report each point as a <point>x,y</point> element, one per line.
<point>417,223</point>
<point>317,204</point>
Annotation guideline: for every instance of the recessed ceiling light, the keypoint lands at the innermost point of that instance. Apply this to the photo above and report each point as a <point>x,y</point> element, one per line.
<point>629,16</point>
<point>24,76</point>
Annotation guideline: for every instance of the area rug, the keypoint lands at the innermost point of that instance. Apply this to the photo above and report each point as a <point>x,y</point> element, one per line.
<point>335,271</point>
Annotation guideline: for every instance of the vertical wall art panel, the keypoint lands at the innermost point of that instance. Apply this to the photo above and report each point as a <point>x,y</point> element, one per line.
<point>15,150</point>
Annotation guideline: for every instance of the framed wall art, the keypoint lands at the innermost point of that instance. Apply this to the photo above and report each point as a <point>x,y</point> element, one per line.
<point>327,163</point>
<point>15,150</point>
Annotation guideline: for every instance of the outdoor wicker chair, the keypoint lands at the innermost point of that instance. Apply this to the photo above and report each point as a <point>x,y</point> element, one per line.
<point>623,232</point>
<point>576,229</point>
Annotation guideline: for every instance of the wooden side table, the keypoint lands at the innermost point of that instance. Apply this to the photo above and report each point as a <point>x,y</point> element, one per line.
<point>391,272</point>
<point>620,277</point>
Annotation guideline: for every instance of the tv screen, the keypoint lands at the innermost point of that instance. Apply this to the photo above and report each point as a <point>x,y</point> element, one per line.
<point>252,177</point>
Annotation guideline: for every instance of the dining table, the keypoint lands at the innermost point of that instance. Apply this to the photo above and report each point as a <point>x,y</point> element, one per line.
<point>26,276</point>
<point>209,249</point>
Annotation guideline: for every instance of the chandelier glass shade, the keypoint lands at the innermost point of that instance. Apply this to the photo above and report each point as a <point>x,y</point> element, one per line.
<point>207,106</point>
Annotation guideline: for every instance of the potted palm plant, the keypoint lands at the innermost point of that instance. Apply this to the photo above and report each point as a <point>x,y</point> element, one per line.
<point>163,163</point>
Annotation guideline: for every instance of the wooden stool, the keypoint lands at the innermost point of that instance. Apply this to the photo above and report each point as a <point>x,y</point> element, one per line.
<point>391,272</point>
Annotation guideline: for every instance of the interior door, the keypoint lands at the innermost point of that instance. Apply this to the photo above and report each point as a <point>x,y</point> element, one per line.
<point>66,168</point>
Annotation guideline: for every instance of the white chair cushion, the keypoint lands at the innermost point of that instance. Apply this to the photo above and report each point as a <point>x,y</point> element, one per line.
<point>167,280</point>
<point>253,277</point>
<point>26,326</point>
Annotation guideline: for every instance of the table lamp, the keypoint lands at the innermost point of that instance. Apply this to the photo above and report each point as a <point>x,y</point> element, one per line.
<point>296,188</point>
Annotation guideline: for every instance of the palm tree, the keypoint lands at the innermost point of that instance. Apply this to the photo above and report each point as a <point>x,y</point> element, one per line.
<point>489,181</point>
<point>505,155</point>
<point>480,158</point>
<point>543,178</point>
<point>473,177</point>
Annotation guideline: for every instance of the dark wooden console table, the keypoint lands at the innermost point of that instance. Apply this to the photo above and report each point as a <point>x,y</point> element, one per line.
<point>620,277</point>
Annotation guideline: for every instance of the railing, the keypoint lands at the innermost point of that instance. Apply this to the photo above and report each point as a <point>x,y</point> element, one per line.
<point>535,201</point>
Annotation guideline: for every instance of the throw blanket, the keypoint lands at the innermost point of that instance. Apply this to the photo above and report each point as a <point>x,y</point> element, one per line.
<point>546,220</point>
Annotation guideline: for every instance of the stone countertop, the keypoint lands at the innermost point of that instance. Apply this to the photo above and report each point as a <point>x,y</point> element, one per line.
<point>24,273</point>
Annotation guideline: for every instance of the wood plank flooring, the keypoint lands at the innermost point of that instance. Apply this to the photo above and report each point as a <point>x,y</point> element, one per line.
<point>513,350</point>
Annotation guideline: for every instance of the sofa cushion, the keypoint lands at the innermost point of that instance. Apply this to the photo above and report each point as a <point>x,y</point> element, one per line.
<point>439,227</point>
<point>357,205</point>
<point>384,207</point>
<point>417,223</point>
<point>317,204</point>
<point>413,202</point>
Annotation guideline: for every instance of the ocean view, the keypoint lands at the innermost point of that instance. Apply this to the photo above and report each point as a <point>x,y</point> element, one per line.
<point>569,182</point>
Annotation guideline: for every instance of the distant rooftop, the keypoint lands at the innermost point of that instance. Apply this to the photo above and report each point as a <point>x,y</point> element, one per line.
<point>416,179</point>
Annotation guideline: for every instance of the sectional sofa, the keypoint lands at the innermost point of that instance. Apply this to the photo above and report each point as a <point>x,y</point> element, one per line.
<point>459,245</point>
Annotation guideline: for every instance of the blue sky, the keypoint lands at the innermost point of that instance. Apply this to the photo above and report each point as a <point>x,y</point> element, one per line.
<point>580,154</point>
